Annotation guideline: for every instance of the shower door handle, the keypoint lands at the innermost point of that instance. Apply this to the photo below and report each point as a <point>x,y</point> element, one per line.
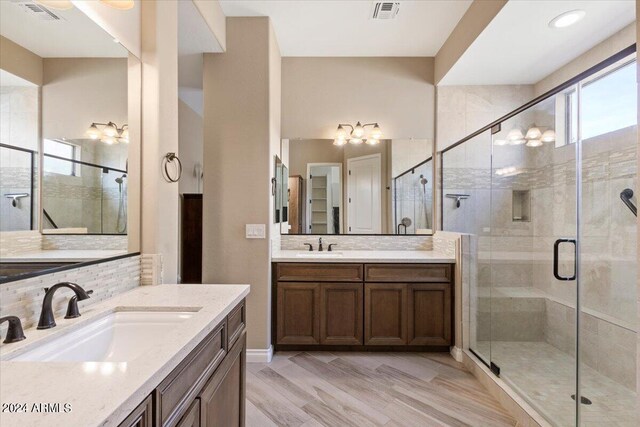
<point>556,250</point>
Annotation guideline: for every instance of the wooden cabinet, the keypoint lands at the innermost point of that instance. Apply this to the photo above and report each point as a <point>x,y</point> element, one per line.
<point>429,314</point>
<point>222,399</point>
<point>142,416</point>
<point>298,319</point>
<point>207,389</point>
<point>385,314</point>
<point>348,306</point>
<point>341,313</point>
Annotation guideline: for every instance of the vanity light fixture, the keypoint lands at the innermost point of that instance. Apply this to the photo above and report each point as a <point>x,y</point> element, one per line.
<point>548,135</point>
<point>109,134</point>
<point>357,134</point>
<point>534,137</point>
<point>567,19</point>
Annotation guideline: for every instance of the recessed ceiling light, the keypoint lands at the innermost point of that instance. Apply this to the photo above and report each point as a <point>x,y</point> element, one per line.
<point>567,19</point>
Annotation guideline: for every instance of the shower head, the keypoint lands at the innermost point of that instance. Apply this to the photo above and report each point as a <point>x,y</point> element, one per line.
<point>120,179</point>
<point>423,180</point>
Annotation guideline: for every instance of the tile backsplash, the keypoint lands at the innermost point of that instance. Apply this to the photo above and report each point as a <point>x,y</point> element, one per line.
<point>350,242</point>
<point>23,298</point>
<point>78,241</point>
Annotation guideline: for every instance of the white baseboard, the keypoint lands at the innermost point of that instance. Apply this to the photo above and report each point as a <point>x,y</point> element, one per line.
<point>260,355</point>
<point>456,353</point>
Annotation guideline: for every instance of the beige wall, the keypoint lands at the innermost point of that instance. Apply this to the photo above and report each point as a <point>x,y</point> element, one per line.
<point>191,140</point>
<point>241,117</point>
<point>79,91</point>
<point>473,22</point>
<point>160,132</point>
<point>614,44</point>
<point>638,223</point>
<point>319,93</point>
<point>214,17</point>
<point>20,61</point>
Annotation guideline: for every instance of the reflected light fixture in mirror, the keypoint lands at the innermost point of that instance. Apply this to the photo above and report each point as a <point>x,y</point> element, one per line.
<point>357,134</point>
<point>109,134</point>
<point>533,138</point>
<point>567,19</point>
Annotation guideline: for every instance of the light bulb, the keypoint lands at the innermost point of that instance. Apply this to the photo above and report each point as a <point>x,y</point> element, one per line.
<point>376,133</point>
<point>93,132</point>
<point>548,135</point>
<point>518,142</point>
<point>339,141</point>
<point>533,133</point>
<point>515,134</point>
<point>500,142</point>
<point>56,4</point>
<point>110,129</point>
<point>355,141</point>
<point>109,140</point>
<point>124,135</point>
<point>119,4</point>
<point>534,143</point>
<point>373,141</point>
<point>341,133</point>
<point>358,131</point>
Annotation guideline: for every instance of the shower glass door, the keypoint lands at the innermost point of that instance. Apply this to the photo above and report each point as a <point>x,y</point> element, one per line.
<point>563,263</point>
<point>534,229</point>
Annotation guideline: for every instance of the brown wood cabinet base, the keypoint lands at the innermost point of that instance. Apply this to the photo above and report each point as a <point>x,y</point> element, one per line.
<point>362,307</point>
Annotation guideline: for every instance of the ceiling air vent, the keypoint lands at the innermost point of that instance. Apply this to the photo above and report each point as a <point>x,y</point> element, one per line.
<point>385,9</point>
<point>37,10</point>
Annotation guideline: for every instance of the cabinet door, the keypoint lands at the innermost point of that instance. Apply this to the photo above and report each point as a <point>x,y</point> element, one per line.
<point>192,417</point>
<point>298,313</point>
<point>430,314</point>
<point>223,398</point>
<point>142,416</point>
<point>385,314</point>
<point>341,313</point>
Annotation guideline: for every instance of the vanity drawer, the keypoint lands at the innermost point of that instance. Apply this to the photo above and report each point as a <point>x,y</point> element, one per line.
<point>411,273</point>
<point>319,272</point>
<point>236,321</point>
<point>177,391</point>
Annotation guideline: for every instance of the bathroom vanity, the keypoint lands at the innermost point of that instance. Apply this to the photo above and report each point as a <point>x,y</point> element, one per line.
<point>170,355</point>
<point>363,300</point>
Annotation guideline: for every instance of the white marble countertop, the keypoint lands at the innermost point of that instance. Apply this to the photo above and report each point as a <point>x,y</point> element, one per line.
<point>104,397</point>
<point>362,256</point>
<point>63,255</point>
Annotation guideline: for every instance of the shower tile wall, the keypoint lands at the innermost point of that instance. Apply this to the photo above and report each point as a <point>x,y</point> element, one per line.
<point>18,127</point>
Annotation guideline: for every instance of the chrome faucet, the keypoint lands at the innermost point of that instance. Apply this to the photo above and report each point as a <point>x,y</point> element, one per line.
<point>46,315</point>
<point>320,245</point>
<point>14,331</point>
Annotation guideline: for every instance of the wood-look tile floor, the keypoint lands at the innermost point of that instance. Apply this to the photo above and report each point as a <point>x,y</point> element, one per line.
<point>313,389</point>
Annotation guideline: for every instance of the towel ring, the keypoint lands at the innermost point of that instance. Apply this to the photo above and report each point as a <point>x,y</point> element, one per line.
<point>169,158</point>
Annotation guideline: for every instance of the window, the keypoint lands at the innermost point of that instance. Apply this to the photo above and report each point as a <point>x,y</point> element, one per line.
<point>64,150</point>
<point>607,102</point>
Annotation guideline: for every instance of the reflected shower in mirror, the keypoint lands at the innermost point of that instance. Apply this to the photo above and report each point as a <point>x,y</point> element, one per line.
<point>368,188</point>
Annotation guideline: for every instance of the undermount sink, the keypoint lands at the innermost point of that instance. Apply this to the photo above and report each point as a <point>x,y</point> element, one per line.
<point>117,337</point>
<point>331,254</point>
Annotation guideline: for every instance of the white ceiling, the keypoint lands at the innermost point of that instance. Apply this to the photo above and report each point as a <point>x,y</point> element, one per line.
<point>8,79</point>
<point>75,36</point>
<point>518,47</point>
<point>343,27</point>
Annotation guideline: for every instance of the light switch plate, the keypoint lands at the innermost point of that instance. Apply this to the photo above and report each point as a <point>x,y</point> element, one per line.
<point>255,231</point>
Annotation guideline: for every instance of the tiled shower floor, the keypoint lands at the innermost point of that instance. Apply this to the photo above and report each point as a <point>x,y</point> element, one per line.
<point>545,376</point>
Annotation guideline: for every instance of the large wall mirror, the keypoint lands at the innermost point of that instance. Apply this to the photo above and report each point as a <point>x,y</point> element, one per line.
<point>381,188</point>
<point>70,116</point>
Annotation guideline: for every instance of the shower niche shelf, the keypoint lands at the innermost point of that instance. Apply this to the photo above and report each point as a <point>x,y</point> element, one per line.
<point>521,203</point>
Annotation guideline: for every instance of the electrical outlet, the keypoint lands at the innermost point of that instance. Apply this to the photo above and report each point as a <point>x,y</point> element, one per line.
<point>255,231</point>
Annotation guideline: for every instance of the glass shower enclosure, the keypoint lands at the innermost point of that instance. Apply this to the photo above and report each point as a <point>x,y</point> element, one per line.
<point>549,194</point>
